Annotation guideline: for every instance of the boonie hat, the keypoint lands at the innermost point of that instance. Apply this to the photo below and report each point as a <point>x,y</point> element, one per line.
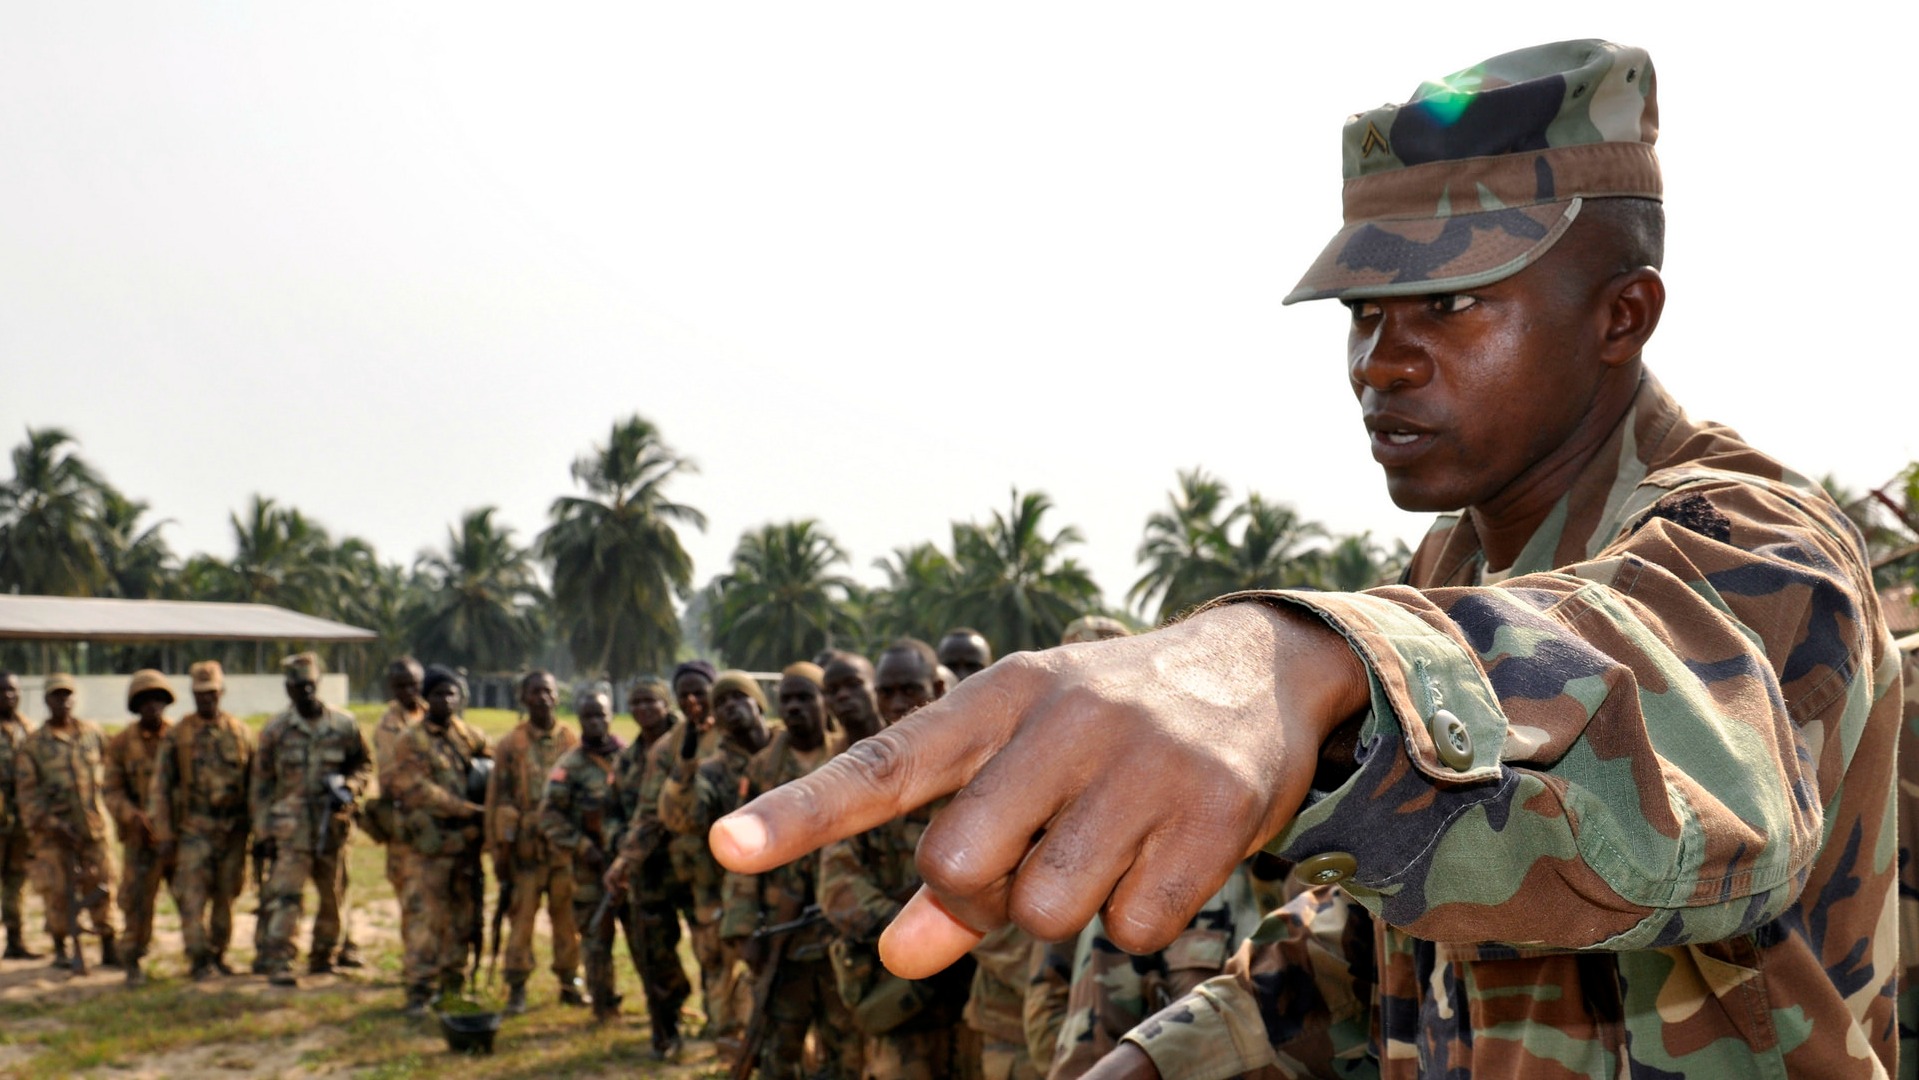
<point>144,680</point>
<point>207,675</point>
<point>60,680</point>
<point>1481,172</point>
<point>304,667</point>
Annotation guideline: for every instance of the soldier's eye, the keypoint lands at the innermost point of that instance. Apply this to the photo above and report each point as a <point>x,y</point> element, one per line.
<point>1452,303</point>
<point>1362,309</point>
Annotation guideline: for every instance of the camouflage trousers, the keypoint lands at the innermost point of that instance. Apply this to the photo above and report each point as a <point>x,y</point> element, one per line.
<point>655,949</point>
<point>807,996</point>
<point>533,883</point>
<point>91,872</point>
<point>596,949</point>
<point>1003,1060</point>
<point>396,877</point>
<point>726,996</point>
<point>284,904</point>
<point>935,1053</point>
<point>142,870</point>
<point>15,858</point>
<point>211,873</point>
<point>442,901</point>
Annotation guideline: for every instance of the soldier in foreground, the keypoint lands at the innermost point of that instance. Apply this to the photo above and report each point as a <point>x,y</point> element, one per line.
<point>911,1029</point>
<point>379,816</point>
<point>132,754</point>
<point>643,869</point>
<point>15,850</point>
<point>60,778</point>
<point>197,805</point>
<point>694,796</point>
<point>442,833</point>
<point>1606,788</point>
<point>313,765</point>
<point>579,817</point>
<point>522,761</point>
<point>800,991</point>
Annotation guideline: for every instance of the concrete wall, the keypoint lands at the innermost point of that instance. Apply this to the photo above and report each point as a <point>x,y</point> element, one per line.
<point>103,698</point>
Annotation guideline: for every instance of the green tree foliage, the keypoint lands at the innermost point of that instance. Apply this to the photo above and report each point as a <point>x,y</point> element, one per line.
<point>617,560</point>
<point>781,601</point>
<point>50,520</point>
<point>480,607</point>
<point>139,564</point>
<point>1016,585</point>
<point>1184,547</point>
<point>919,597</point>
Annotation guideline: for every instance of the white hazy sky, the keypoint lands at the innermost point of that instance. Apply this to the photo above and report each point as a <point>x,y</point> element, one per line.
<point>870,263</point>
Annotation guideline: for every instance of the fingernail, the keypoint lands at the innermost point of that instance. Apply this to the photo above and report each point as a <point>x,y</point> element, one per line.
<point>745,833</point>
<point>923,939</point>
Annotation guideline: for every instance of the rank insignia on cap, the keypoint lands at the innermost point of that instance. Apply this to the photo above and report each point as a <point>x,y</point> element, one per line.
<point>1373,141</point>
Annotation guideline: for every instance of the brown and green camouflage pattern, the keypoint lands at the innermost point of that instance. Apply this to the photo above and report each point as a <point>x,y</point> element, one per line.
<point>1670,847</point>
<point>522,760</point>
<point>657,895</point>
<point>1111,991</point>
<point>582,790</point>
<point>291,764</point>
<point>198,799</point>
<point>693,797</point>
<point>132,755</point>
<point>15,850</point>
<point>1909,862</point>
<point>440,835</point>
<point>59,777</point>
<point>996,1006</point>
<point>1476,176</point>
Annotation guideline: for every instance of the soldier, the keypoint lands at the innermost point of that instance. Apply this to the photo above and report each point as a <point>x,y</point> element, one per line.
<point>15,851</point>
<point>197,805</point>
<point>580,816</point>
<point>60,778</point>
<point>314,764</point>
<point>964,651</point>
<point>694,795</point>
<point>645,868</point>
<point>911,1030</point>
<point>144,863</point>
<point>1606,788</point>
<point>803,993</point>
<point>522,761</point>
<point>441,830</point>
<point>404,708</point>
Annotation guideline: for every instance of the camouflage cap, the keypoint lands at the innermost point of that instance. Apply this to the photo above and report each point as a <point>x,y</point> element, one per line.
<point>1481,172</point>
<point>304,667</point>
<point>145,680</point>
<point>1093,628</point>
<point>743,682</point>
<point>207,675</point>
<point>804,669</point>
<point>60,680</point>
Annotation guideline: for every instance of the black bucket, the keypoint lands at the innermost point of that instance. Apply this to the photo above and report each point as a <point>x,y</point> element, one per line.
<point>469,1032</point>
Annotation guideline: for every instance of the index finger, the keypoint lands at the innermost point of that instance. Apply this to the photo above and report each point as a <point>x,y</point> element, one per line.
<point>931,753</point>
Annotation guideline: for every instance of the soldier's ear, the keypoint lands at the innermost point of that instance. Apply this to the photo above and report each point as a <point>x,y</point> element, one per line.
<point>1632,303</point>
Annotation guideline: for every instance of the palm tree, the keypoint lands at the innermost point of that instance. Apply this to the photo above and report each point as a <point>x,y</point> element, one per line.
<point>617,562</point>
<point>49,520</point>
<point>781,601</point>
<point>481,604</point>
<point>1358,562</point>
<point>138,562</point>
<point>1016,586</point>
<point>918,600</point>
<point>1270,552</point>
<point>1184,547</point>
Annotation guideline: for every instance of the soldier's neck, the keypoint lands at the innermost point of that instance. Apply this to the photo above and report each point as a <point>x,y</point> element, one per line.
<point>543,723</point>
<point>312,710</point>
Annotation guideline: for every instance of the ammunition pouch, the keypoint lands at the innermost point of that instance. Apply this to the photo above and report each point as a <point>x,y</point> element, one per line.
<point>879,1000</point>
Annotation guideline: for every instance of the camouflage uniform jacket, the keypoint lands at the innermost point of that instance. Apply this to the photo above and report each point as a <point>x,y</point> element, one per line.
<point>521,761</point>
<point>1909,863</point>
<point>131,753</point>
<point>430,765</point>
<point>394,723</point>
<point>60,779</point>
<point>1628,809</point>
<point>582,788</point>
<point>295,756</point>
<point>782,894</point>
<point>996,1007</point>
<point>201,777</point>
<point>691,800</point>
<point>645,832</point>
<point>13,732</point>
<point>866,879</point>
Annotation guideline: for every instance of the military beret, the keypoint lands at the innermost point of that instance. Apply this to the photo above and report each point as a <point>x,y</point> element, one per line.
<point>437,675</point>
<point>697,667</point>
<point>741,681</point>
<point>805,669</point>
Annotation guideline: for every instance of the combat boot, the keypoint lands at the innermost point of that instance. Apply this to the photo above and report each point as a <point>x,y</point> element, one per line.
<point>17,945</point>
<point>280,973</point>
<point>417,997</point>
<point>109,956</point>
<point>571,993</point>
<point>135,976</point>
<point>348,956</point>
<point>219,963</point>
<point>515,998</point>
<point>261,965</point>
<point>203,969</point>
<point>318,964</point>
<point>60,959</point>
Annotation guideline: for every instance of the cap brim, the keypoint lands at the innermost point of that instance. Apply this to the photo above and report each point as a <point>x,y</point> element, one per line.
<point>1422,256</point>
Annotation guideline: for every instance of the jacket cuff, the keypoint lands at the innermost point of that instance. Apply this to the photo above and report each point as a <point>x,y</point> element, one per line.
<point>1212,1033</point>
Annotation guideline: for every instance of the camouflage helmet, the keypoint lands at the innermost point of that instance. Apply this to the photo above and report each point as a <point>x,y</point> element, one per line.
<point>1483,171</point>
<point>147,680</point>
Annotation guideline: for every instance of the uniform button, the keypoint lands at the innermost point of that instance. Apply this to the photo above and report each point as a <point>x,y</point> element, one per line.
<point>1326,868</point>
<point>1452,739</point>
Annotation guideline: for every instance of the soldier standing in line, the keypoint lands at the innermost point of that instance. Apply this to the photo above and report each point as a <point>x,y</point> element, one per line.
<point>130,755</point>
<point>964,651</point>
<point>441,831</point>
<point>804,993</point>
<point>197,805</point>
<point>59,776</point>
<point>696,793</point>
<point>14,849</point>
<point>522,761</point>
<point>658,894</point>
<point>378,816</point>
<point>580,816</point>
<point>912,1030</point>
<point>314,764</point>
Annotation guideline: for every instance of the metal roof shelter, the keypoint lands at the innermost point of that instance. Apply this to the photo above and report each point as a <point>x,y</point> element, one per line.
<point>65,618</point>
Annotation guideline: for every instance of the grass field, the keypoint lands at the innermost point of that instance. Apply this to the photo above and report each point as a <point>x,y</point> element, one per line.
<point>55,1025</point>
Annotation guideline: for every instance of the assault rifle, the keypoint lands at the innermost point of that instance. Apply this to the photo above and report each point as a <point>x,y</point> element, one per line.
<point>756,1029</point>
